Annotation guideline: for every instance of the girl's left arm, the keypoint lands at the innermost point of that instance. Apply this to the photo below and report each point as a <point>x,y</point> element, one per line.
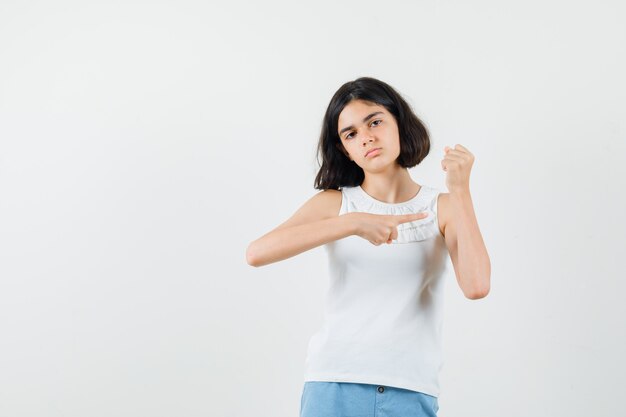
<point>462,234</point>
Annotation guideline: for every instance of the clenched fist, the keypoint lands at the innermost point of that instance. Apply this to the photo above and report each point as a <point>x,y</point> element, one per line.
<point>457,163</point>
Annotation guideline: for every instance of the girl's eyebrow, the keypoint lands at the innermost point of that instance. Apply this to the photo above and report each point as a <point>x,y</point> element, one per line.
<point>364,120</point>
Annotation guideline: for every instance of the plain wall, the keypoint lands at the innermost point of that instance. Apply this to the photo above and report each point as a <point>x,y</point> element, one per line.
<point>144,145</point>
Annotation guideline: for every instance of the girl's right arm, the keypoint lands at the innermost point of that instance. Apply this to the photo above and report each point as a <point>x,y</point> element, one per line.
<point>314,224</point>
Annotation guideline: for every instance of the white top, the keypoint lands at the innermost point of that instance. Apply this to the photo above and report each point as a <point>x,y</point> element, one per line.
<point>383,311</point>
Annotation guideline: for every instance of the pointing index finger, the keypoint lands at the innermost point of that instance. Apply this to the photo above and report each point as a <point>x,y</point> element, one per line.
<point>404,218</point>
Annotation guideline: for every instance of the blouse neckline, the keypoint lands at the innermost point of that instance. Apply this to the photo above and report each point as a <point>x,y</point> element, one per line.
<point>382,203</point>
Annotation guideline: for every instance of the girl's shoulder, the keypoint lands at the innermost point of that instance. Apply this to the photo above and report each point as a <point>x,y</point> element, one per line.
<point>323,205</point>
<point>326,203</point>
<point>331,201</point>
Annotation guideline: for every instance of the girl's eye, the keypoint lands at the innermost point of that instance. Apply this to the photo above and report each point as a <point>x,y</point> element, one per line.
<point>380,121</point>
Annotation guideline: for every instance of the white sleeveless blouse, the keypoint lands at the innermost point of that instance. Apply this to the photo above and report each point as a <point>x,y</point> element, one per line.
<point>383,312</point>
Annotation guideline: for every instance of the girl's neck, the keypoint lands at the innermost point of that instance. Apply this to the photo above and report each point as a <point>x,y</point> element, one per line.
<point>394,188</point>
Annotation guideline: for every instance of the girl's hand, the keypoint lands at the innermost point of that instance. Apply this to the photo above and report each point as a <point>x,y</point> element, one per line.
<point>382,228</point>
<point>457,163</point>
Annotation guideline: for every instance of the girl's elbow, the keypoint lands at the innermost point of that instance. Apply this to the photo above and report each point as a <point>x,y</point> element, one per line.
<point>251,256</point>
<point>478,292</point>
<point>477,295</point>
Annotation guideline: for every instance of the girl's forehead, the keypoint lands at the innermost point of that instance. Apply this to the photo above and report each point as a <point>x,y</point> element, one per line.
<point>358,103</point>
<point>359,107</point>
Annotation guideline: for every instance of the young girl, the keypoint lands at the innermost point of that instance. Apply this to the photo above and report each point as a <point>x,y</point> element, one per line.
<point>379,350</point>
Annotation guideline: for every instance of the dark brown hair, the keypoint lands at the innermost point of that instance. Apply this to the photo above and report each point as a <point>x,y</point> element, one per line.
<point>336,169</point>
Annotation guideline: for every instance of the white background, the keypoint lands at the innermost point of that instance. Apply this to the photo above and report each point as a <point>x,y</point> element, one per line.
<point>144,145</point>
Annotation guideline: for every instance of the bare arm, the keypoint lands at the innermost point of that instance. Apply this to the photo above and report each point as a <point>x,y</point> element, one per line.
<point>462,234</point>
<point>283,243</point>
<point>317,223</point>
<point>314,223</point>
<point>466,247</point>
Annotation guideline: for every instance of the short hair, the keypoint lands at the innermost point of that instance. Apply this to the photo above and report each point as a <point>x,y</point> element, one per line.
<point>336,169</point>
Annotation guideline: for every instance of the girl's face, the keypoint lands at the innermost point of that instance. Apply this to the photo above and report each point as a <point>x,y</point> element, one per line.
<point>364,126</point>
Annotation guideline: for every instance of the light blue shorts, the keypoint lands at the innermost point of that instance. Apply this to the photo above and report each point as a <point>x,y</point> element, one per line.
<point>347,399</point>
